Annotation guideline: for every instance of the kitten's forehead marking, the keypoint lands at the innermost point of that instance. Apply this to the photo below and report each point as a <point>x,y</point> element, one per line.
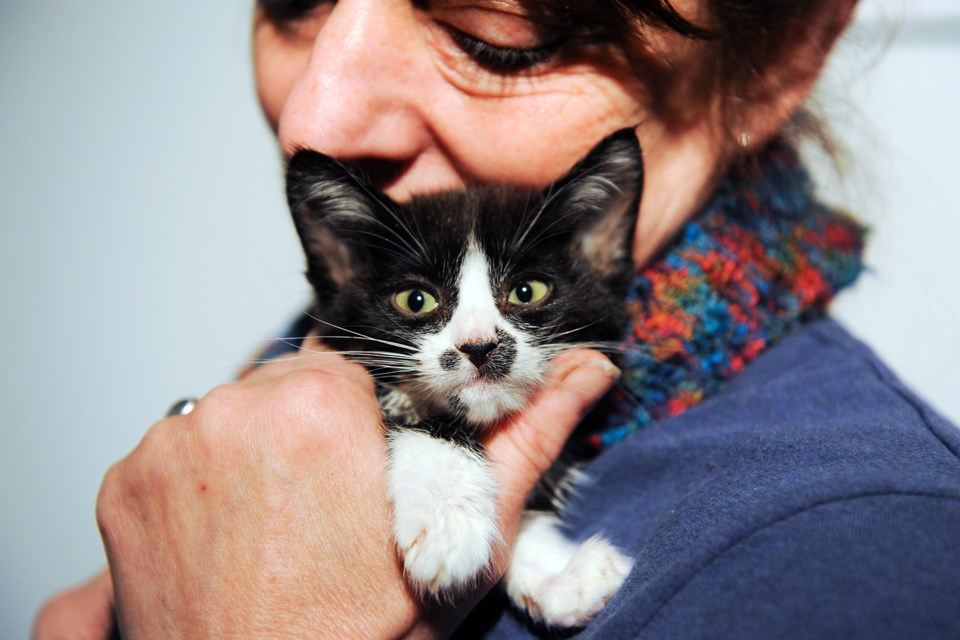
<point>476,317</point>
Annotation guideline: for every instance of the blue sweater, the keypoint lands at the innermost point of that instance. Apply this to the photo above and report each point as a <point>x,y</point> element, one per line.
<point>813,497</point>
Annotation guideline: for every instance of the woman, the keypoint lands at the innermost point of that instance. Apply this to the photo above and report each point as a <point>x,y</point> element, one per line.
<point>809,495</point>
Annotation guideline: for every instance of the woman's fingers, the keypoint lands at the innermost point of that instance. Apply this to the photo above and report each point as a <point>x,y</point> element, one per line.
<point>82,613</point>
<point>262,513</point>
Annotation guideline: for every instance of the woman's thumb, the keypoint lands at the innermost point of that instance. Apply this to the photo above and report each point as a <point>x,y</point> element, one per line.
<point>527,444</point>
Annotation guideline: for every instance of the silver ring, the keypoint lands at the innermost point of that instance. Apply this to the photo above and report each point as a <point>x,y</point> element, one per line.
<point>182,407</point>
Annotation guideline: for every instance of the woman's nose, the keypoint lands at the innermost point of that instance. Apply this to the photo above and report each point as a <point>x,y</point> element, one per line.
<point>361,95</point>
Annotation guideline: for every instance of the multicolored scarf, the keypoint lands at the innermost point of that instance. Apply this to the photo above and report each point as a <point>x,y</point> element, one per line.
<point>760,260</point>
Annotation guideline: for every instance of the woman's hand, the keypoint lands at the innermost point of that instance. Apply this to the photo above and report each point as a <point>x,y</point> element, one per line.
<point>82,613</point>
<point>264,514</point>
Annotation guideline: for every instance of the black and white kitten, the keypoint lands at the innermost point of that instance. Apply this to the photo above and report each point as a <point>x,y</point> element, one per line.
<point>456,302</point>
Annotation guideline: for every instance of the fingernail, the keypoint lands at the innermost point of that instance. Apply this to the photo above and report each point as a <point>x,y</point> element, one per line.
<point>603,365</point>
<point>584,377</point>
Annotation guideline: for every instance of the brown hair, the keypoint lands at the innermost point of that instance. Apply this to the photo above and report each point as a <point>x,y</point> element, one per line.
<point>744,40</point>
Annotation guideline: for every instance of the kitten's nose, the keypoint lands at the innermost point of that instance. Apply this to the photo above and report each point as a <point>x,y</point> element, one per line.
<point>477,351</point>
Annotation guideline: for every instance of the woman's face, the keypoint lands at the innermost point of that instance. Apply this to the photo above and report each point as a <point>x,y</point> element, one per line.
<point>430,95</point>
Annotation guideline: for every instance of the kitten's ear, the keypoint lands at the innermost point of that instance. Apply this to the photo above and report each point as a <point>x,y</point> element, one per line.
<point>332,208</point>
<point>601,196</point>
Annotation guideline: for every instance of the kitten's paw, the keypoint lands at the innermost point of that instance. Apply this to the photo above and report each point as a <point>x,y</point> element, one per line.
<point>447,552</point>
<point>560,583</point>
<point>444,521</point>
<point>580,591</point>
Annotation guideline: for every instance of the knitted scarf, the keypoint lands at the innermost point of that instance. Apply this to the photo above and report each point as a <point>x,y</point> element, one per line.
<point>760,260</point>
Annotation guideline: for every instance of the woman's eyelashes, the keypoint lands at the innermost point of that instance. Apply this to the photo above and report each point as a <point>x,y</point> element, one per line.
<point>502,59</point>
<point>283,12</point>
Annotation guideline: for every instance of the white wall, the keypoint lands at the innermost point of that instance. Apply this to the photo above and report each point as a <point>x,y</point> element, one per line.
<point>144,247</point>
<point>893,94</point>
<point>144,252</point>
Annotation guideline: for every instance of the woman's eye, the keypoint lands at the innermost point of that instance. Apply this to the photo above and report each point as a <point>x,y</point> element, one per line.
<point>502,59</point>
<point>528,292</point>
<point>415,302</point>
<point>285,11</point>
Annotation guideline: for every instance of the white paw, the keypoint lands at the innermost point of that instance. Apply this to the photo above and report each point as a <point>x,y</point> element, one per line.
<point>580,591</point>
<point>558,582</point>
<point>444,504</point>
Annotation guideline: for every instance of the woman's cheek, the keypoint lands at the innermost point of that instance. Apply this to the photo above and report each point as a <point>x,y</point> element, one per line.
<point>535,138</point>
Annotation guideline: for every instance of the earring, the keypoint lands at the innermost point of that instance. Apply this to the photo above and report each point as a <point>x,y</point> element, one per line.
<point>744,139</point>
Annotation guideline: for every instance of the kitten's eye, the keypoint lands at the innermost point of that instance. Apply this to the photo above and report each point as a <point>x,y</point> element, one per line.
<point>415,302</point>
<point>528,292</point>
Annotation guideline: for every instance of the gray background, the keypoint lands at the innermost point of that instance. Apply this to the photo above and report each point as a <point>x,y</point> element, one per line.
<point>145,249</point>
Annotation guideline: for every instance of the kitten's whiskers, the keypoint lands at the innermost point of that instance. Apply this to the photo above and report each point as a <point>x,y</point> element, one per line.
<point>357,334</point>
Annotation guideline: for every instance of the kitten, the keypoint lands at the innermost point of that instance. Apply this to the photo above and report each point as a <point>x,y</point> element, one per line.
<point>456,302</point>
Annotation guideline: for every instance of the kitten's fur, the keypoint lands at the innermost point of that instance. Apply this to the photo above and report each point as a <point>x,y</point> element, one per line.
<point>516,276</point>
